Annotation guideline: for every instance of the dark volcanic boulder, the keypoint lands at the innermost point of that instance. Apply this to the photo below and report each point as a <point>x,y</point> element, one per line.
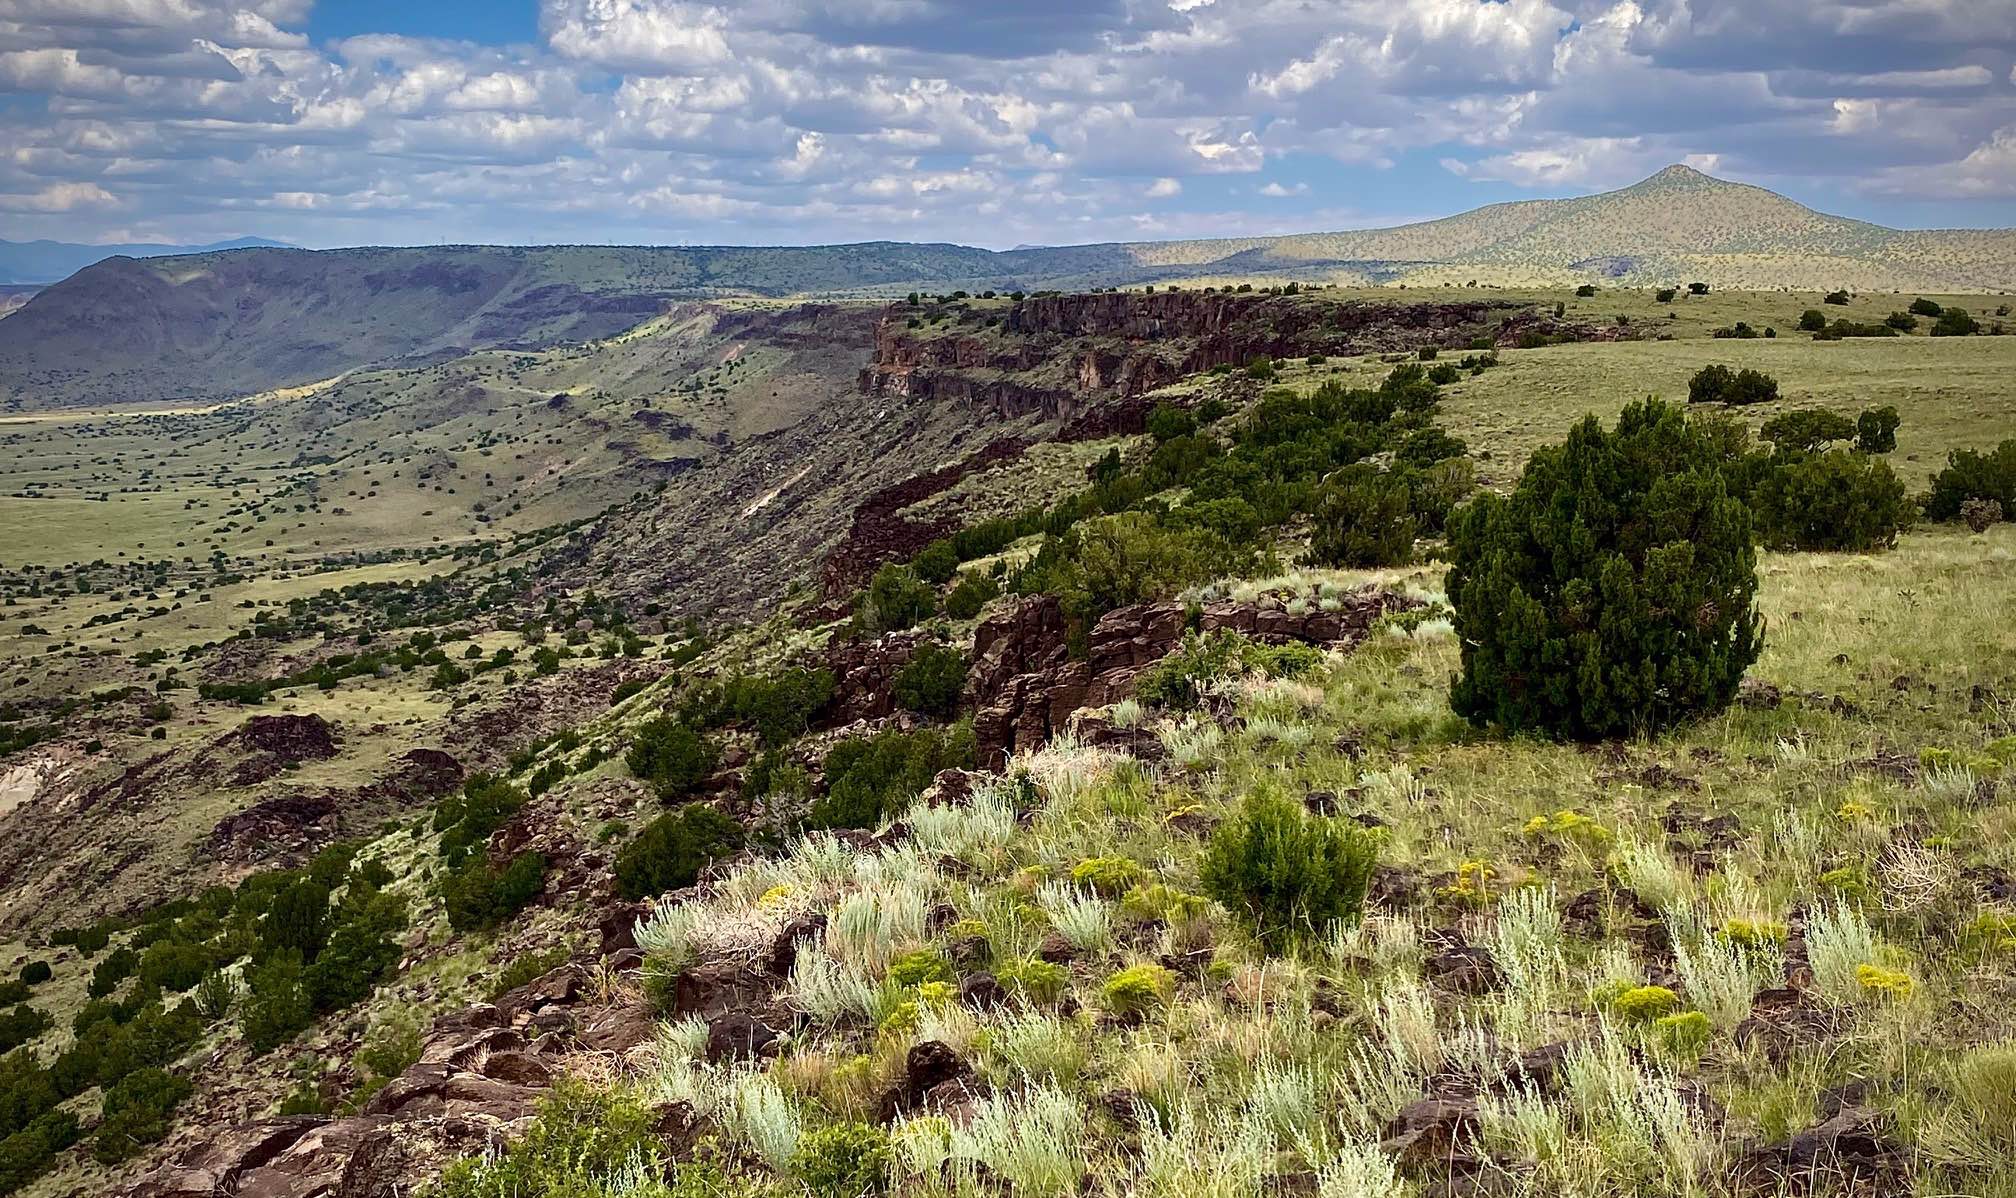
<point>291,738</point>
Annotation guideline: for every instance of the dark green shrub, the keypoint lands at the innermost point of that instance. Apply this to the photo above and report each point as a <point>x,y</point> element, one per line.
<point>1286,873</point>
<point>34,973</point>
<point>1179,680</point>
<point>298,920</point>
<point>20,1025</point>
<point>972,594</point>
<point>1806,431</point>
<point>28,1153</point>
<point>936,563</point>
<point>277,1005</point>
<point>1115,561</point>
<point>1837,500</point>
<point>117,966</point>
<point>894,600</point>
<point>583,1137</point>
<point>1925,307</point>
<point>1585,291</point>
<point>673,756</point>
<point>847,1160</point>
<point>779,706</point>
<point>1812,320</point>
<point>1168,421</point>
<point>672,850</point>
<point>1363,517</point>
<point>27,1090</point>
<point>1903,322</point>
<point>1719,384</point>
<point>1665,295</point>
<point>930,682</point>
<point>1848,328</point>
<point>466,818</point>
<point>869,779</point>
<point>137,1113</point>
<point>1970,474</point>
<point>361,951</point>
<point>523,968</point>
<point>1955,322</point>
<point>175,966</point>
<point>480,896</point>
<point>1614,591</point>
<point>1835,297</point>
<point>1876,429</point>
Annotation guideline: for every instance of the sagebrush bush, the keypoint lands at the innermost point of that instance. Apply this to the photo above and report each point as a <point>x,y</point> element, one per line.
<point>1286,873</point>
<point>1980,515</point>
<point>672,850</point>
<point>1614,591</point>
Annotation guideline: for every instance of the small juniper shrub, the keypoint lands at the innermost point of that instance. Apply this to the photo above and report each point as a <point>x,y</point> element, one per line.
<point>1645,616</point>
<point>672,850</point>
<point>1287,874</point>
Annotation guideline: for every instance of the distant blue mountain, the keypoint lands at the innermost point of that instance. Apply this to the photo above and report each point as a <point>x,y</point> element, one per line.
<point>54,261</point>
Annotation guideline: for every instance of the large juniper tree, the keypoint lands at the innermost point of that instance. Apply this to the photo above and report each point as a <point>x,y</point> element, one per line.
<point>1614,592</point>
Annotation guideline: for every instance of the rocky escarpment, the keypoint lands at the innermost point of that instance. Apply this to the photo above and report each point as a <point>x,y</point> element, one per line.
<point>1059,355</point>
<point>880,532</point>
<point>1025,686</point>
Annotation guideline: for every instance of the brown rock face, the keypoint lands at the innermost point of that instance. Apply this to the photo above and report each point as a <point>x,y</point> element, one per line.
<point>282,824</point>
<point>216,1165</point>
<point>1124,344</point>
<point>1024,686</point>
<point>880,533</point>
<point>864,676</point>
<point>288,737</point>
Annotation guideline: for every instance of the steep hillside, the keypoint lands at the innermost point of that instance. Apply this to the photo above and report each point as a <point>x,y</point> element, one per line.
<point>938,772</point>
<point>218,326</point>
<point>42,262</point>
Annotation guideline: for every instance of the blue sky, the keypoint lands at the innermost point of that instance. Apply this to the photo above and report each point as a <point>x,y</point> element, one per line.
<point>1042,121</point>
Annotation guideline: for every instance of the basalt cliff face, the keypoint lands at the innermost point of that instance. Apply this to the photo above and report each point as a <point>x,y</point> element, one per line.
<point>1058,355</point>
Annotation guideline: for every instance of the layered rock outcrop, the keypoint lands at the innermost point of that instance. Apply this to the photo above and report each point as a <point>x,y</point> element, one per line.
<point>1060,356</point>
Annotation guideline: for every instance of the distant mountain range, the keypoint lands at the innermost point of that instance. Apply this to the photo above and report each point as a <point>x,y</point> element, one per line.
<point>50,261</point>
<point>221,324</point>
